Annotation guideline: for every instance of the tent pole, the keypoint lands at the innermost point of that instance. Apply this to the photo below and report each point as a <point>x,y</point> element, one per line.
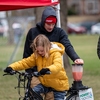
<point>58,14</point>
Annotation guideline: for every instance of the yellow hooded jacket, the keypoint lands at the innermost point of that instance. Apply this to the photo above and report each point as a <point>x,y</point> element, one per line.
<point>58,78</point>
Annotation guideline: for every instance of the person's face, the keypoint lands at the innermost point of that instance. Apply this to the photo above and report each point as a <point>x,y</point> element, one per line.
<point>40,51</point>
<point>49,27</point>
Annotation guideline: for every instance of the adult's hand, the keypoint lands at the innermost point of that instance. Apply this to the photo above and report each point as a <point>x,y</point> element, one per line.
<point>79,61</point>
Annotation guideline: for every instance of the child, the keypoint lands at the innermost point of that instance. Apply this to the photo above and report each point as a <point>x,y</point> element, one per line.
<point>47,56</point>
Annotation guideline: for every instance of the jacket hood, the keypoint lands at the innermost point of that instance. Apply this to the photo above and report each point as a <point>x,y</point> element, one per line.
<point>49,11</point>
<point>57,47</point>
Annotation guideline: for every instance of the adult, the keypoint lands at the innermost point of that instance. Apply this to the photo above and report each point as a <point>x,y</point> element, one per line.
<point>48,27</point>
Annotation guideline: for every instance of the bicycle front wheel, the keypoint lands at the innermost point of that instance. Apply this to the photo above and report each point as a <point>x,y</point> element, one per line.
<point>72,97</point>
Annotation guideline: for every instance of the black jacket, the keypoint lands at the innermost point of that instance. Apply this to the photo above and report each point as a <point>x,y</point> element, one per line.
<point>57,35</point>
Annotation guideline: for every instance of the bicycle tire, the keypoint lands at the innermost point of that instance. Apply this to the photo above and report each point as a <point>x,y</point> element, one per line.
<point>72,97</point>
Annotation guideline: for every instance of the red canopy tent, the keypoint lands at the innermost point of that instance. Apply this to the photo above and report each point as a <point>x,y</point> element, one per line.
<point>6,5</point>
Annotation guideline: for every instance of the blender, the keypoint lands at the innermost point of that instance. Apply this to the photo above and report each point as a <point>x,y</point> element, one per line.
<point>77,72</point>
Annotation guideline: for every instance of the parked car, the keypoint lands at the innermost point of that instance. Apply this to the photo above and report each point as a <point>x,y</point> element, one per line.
<point>74,28</point>
<point>87,25</point>
<point>95,29</point>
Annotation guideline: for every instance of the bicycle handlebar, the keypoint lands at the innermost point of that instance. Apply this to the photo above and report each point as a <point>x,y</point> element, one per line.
<point>37,74</point>
<point>11,73</point>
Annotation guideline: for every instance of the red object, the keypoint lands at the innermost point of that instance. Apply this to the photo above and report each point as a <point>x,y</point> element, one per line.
<point>22,4</point>
<point>51,19</point>
<point>77,76</point>
<point>74,28</point>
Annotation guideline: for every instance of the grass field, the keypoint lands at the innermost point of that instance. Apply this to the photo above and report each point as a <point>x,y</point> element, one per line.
<point>84,45</point>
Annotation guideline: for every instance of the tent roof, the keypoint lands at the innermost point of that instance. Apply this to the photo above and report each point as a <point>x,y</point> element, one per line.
<point>6,5</point>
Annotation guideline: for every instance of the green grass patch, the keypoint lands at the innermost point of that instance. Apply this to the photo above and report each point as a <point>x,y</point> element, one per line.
<point>86,47</point>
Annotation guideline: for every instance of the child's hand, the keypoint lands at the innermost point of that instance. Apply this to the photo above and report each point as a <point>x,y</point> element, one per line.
<point>44,71</point>
<point>8,70</point>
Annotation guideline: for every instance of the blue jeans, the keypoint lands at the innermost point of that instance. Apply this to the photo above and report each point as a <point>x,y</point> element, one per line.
<point>58,95</point>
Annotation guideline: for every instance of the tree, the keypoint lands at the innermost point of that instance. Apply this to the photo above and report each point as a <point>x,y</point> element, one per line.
<point>10,32</point>
<point>63,15</point>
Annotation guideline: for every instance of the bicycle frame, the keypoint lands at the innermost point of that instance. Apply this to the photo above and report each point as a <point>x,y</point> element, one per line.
<point>30,94</point>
